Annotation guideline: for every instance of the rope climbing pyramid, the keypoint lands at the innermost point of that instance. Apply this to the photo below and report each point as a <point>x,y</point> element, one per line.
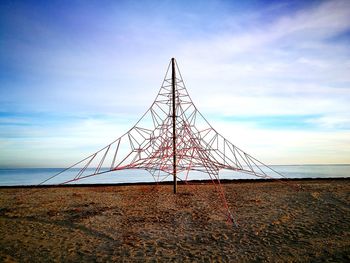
<point>171,140</point>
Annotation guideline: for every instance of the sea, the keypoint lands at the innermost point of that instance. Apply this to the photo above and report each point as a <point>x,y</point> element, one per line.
<point>36,176</point>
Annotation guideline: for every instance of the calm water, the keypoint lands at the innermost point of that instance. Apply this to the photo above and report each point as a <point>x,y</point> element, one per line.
<point>34,176</point>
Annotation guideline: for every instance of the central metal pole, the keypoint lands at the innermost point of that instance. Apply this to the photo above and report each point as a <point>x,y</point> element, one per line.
<point>173,78</point>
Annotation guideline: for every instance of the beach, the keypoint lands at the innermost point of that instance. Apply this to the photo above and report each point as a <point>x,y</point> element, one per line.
<point>274,221</point>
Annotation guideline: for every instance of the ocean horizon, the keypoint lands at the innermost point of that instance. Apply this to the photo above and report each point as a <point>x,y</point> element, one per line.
<point>35,176</point>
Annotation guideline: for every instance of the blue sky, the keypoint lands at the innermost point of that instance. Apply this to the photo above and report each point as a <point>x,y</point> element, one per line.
<point>272,76</point>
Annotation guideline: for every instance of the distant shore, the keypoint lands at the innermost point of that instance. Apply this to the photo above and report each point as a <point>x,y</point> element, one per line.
<point>272,221</point>
<point>222,181</point>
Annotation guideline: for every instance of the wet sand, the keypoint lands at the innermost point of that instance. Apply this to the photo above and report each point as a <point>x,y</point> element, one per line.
<point>277,222</point>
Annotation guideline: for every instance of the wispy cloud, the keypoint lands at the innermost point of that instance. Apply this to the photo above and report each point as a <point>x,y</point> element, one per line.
<point>78,74</point>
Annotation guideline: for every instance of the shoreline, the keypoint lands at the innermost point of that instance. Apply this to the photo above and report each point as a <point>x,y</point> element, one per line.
<point>222,181</point>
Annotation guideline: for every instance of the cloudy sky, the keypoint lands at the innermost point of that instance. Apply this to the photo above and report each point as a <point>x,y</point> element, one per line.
<point>272,76</point>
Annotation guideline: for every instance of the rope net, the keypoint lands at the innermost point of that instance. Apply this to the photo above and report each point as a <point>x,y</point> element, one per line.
<point>148,145</point>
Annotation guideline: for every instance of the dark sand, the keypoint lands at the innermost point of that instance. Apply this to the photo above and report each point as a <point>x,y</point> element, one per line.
<point>277,223</point>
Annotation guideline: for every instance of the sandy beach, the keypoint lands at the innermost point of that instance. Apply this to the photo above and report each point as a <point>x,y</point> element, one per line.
<point>297,221</point>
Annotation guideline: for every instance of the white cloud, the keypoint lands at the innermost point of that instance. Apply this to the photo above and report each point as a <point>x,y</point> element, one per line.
<point>323,21</point>
<point>288,147</point>
<point>288,66</point>
<point>333,121</point>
